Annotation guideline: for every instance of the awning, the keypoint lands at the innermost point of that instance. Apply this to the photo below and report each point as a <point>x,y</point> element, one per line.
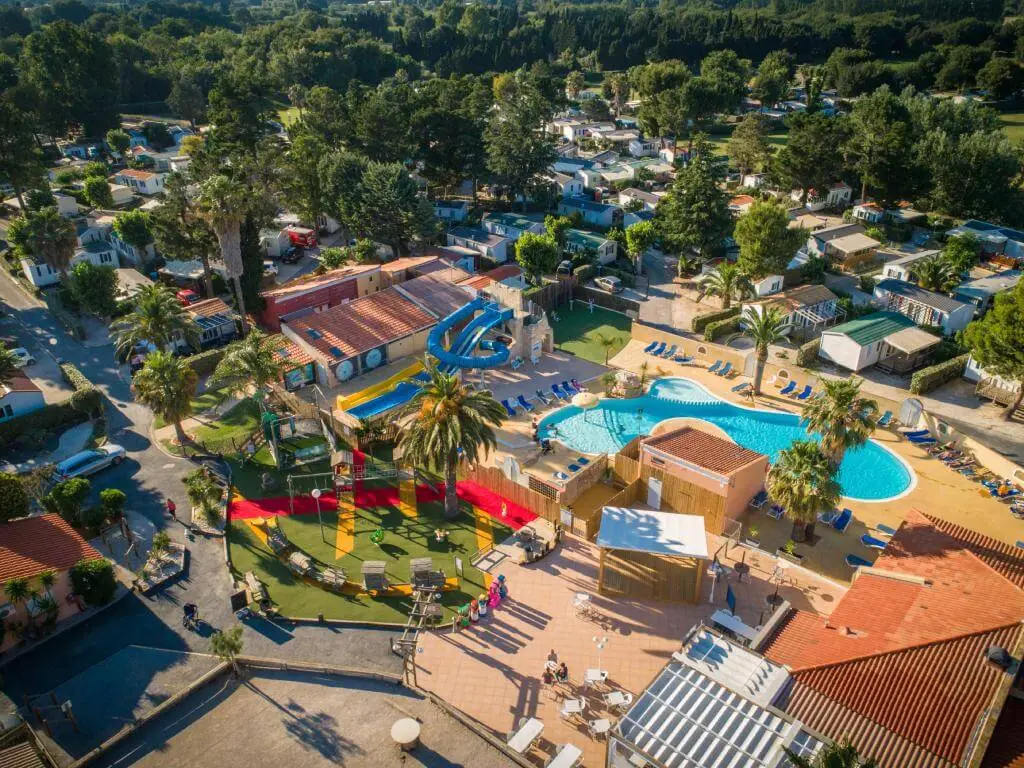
<point>659,533</point>
<point>911,340</point>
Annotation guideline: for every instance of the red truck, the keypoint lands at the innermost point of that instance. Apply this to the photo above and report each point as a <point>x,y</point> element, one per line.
<point>186,297</point>
<point>302,237</point>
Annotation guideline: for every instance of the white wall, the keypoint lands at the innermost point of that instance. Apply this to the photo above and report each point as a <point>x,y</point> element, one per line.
<point>842,350</point>
<point>20,403</point>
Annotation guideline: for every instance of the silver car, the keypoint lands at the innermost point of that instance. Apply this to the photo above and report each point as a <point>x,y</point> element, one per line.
<point>22,357</point>
<point>610,283</point>
<point>88,462</point>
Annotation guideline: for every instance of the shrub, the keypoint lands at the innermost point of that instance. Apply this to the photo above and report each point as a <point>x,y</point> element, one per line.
<point>14,501</point>
<point>721,328</point>
<point>933,376</point>
<point>203,363</point>
<point>700,322</point>
<point>93,518</point>
<point>112,502</point>
<point>74,377</point>
<point>94,581</point>
<point>808,352</point>
<point>66,499</point>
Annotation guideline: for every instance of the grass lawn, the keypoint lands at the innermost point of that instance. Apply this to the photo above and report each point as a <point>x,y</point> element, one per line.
<point>200,404</point>
<point>405,538</point>
<point>579,330</point>
<point>1013,124</point>
<point>229,432</point>
<point>288,115</point>
<point>775,140</point>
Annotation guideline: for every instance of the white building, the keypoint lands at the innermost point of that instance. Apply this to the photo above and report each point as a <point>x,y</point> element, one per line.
<point>512,225</point>
<point>451,210</point>
<point>142,182</point>
<point>485,243</point>
<point>808,307</point>
<point>275,242</point>
<point>131,254</point>
<point>19,396</point>
<point>924,307</point>
<point>838,195</point>
<point>885,338</point>
<point>66,205</point>
<point>593,213</point>
<point>644,147</point>
<point>576,240</point>
<point>903,267</point>
<point>649,200</point>
<point>869,212</point>
<point>565,184</point>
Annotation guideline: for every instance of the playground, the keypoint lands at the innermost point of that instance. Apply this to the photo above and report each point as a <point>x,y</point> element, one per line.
<point>388,521</point>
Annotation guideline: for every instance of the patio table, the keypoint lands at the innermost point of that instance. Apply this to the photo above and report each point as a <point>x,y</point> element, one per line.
<point>406,733</point>
<point>567,757</point>
<point>615,699</point>
<point>599,727</point>
<point>573,706</point>
<point>525,736</point>
<point>595,676</point>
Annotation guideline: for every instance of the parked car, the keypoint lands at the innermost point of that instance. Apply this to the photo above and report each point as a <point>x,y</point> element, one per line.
<point>22,357</point>
<point>291,256</point>
<point>302,236</point>
<point>89,462</point>
<point>269,268</point>
<point>609,283</point>
<point>186,297</point>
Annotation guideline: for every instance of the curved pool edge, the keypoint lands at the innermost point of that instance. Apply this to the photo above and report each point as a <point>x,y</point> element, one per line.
<point>902,461</point>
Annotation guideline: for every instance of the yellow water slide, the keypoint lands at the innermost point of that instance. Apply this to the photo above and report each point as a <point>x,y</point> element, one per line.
<point>346,402</point>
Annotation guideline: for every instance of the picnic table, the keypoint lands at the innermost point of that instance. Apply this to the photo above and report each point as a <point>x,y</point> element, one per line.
<point>523,738</point>
<point>593,676</point>
<point>568,756</point>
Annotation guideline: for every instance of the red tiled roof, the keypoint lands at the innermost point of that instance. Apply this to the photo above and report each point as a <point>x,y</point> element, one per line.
<point>504,272</point>
<point>362,325</point>
<point>793,299</point>
<point>35,544</point>
<point>319,281</point>
<point>134,174</point>
<point>19,382</point>
<point>479,282</point>
<point>904,648</point>
<point>287,351</point>
<point>406,262</point>
<point>741,200</point>
<point>209,308</point>
<point>704,450</point>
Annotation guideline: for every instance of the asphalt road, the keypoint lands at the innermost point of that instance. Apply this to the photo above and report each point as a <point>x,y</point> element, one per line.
<point>148,477</point>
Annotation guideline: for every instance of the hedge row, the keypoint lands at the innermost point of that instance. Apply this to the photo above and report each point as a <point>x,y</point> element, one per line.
<point>85,402</point>
<point>203,363</point>
<point>808,352</point>
<point>700,322</point>
<point>933,376</point>
<point>721,328</point>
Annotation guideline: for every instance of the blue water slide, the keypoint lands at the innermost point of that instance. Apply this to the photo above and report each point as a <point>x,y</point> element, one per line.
<point>491,315</point>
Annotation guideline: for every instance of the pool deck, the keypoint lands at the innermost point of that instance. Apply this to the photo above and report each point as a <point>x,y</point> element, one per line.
<point>939,491</point>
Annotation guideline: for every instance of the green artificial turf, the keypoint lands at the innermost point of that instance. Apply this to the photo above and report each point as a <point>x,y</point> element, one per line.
<point>405,538</point>
<point>578,331</point>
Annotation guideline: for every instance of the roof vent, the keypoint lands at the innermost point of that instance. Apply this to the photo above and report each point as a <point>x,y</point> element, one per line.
<point>999,656</point>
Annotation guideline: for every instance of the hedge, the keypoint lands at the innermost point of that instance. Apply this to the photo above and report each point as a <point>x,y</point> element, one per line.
<point>93,581</point>
<point>933,376</point>
<point>74,377</point>
<point>85,402</point>
<point>808,352</point>
<point>700,322</point>
<point>204,362</point>
<point>720,328</point>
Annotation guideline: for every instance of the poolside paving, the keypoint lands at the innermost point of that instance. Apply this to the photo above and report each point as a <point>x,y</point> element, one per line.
<point>492,671</point>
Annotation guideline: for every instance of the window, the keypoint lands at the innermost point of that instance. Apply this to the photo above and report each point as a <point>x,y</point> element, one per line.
<point>6,412</point>
<point>657,462</point>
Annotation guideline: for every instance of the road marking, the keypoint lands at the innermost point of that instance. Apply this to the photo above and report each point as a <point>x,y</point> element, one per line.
<point>169,466</point>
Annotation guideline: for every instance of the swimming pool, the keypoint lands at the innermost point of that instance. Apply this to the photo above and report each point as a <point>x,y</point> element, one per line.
<point>868,473</point>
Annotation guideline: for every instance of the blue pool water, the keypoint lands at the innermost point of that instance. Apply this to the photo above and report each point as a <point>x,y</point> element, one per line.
<point>869,473</point>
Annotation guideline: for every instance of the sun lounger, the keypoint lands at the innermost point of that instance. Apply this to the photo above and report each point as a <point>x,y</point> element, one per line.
<point>740,387</point>
<point>583,461</point>
<point>885,529</point>
<point>567,387</point>
<point>923,440</point>
<point>574,467</point>
<point>560,475</point>
<point>509,407</point>
<point>523,402</point>
<point>542,397</point>
<point>759,500</point>
<point>670,352</point>
<point>576,383</point>
<point>915,432</point>
<point>886,419</point>
<point>842,521</point>
<point>561,395</point>
<point>871,542</point>
<point>805,394</point>
<point>724,370</point>
<point>775,512</point>
<point>858,562</point>
<point>826,517</point>
<point>713,368</point>
<point>659,349</point>
<point>788,388</point>
<point>683,359</point>
<point>650,347</point>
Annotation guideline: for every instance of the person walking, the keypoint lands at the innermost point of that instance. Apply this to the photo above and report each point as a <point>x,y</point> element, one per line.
<point>172,509</point>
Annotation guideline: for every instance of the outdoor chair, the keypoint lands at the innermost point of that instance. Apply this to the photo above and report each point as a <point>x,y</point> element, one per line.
<point>842,520</point>
<point>759,500</point>
<point>543,398</point>
<point>724,370</point>
<point>886,419</point>
<point>788,388</point>
<point>523,402</point>
<point>683,358</point>
<point>659,349</point>
<point>775,512</point>
<point>713,368</point>
<point>671,351</point>
<point>509,408</point>
<point>871,542</point>
<point>806,393</point>
<point>858,562</point>
<point>885,529</point>
<point>561,395</point>
<point>826,517</point>
<point>567,387</point>
<point>650,347</point>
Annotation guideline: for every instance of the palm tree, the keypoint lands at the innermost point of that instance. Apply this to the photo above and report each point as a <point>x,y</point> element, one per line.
<point>8,365</point>
<point>52,238</point>
<point>841,416</point>
<point>252,363</point>
<point>607,343</point>
<point>935,273</point>
<point>223,202</point>
<point>802,481</point>
<point>227,646</point>
<point>166,384</point>
<point>832,755</point>
<point>618,84</point>
<point>728,282</point>
<point>204,494</point>
<point>764,328</point>
<point>158,318</point>
<point>46,580</point>
<point>452,423</point>
<point>18,592</point>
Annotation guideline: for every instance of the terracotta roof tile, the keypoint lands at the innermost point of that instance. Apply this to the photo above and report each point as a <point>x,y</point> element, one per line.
<point>312,282</point>
<point>135,174</point>
<point>209,308</point>
<point>351,329</point>
<point>792,299</point>
<point>704,450</point>
<point>35,544</point>
<point>406,262</point>
<point>287,351</point>
<point>19,382</point>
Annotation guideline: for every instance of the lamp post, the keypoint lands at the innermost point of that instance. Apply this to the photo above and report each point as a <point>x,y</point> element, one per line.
<point>600,642</point>
<point>778,574</point>
<point>316,497</point>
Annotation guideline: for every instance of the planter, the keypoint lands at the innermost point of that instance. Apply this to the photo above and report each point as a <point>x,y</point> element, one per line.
<point>755,543</point>
<point>794,558</point>
<point>162,569</point>
<point>201,524</point>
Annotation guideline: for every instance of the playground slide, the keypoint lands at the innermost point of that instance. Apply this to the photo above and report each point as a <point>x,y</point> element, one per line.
<point>348,402</point>
<point>492,316</point>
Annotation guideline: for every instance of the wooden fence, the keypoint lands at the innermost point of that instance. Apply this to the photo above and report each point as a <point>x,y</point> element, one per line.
<point>645,576</point>
<point>677,495</point>
<point>588,527</point>
<point>494,480</point>
<point>606,300</point>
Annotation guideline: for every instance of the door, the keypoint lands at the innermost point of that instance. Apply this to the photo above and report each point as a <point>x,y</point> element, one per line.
<point>654,493</point>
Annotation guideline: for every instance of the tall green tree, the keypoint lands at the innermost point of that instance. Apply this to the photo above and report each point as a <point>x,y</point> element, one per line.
<point>179,229</point>
<point>842,417</point>
<point>961,251</point>
<point>452,424</point>
<point>222,201</point>
<point>239,108</point>
<point>1002,77</point>
<point>695,215</point>
<point>14,500</point>
<point>764,328</point>
<point>391,209</point>
<point>639,238</point>
<point>133,227</point>
<point>166,385</point>
<point>536,254</point>
<point>557,226</point>
<point>748,147</point>
<point>881,147</point>
<point>574,84</point>
<point>187,99</point>
<point>935,273</point>
<point>728,75</point>
<point>21,162</point>
<point>976,174</point>
<point>47,235</point>
<point>250,364</point>
<point>94,288</point>
<point>118,140</point>
<point>802,481</point>
<point>157,318</point>
<point>774,73</point>
<point>9,367</point>
<point>995,342</point>
<point>813,156</point>
<point>227,646</point>
<point>766,240</point>
<point>728,282</point>
<point>97,192</point>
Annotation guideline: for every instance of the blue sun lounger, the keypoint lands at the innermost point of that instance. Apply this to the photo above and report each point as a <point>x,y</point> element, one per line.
<point>923,440</point>
<point>724,370</point>
<point>522,401</point>
<point>683,358</point>
<point>713,368</point>
<point>871,542</point>
<point>561,395</point>
<point>659,349</point>
<point>509,407</point>
<point>842,520</point>
<point>805,394</point>
<point>671,351</point>
<point>858,562</point>
<point>916,433</point>
<point>741,387</point>
<point>759,500</point>
<point>828,516</point>
<point>542,397</point>
<point>885,529</point>
<point>582,461</point>
<point>788,388</point>
<point>567,387</point>
<point>885,421</point>
<point>650,347</point>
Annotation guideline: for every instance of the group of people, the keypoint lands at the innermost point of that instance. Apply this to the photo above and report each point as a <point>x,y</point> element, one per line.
<point>555,671</point>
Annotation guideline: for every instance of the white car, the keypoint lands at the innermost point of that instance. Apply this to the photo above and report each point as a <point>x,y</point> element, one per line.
<point>88,462</point>
<point>269,268</point>
<point>22,357</point>
<point>611,284</point>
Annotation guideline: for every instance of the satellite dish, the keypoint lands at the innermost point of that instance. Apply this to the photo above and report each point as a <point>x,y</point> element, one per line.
<point>344,370</point>
<point>374,358</point>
